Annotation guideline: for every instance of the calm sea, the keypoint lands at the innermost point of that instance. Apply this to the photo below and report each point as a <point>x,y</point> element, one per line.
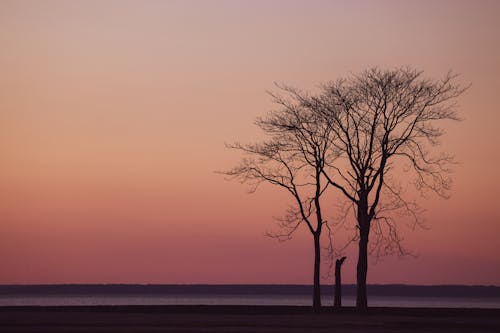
<point>390,296</point>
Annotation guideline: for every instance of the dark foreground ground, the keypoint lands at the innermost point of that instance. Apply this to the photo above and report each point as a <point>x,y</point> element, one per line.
<point>243,319</point>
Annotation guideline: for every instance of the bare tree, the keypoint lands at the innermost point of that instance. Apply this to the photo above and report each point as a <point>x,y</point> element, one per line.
<point>381,119</point>
<point>293,158</point>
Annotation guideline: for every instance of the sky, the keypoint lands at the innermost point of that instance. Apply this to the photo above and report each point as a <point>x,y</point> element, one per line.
<point>114,117</point>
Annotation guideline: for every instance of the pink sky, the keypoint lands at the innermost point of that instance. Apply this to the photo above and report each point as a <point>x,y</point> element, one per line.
<point>114,115</point>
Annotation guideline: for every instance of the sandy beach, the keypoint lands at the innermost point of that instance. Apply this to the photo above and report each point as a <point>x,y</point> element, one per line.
<point>244,319</point>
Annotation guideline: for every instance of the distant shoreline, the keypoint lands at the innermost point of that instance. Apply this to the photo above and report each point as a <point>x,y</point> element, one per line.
<point>256,310</point>
<point>248,289</point>
<point>271,319</point>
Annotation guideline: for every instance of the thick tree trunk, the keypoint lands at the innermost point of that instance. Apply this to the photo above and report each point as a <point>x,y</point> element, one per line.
<point>362,269</point>
<point>317,262</point>
<point>338,283</point>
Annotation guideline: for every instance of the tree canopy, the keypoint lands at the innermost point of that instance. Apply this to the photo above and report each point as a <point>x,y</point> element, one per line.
<point>351,136</point>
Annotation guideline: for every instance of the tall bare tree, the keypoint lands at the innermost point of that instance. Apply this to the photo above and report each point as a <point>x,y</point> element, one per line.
<point>293,159</point>
<point>381,119</point>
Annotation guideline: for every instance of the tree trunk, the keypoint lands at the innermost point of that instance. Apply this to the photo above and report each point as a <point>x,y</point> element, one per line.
<point>362,269</point>
<point>338,283</point>
<point>317,262</point>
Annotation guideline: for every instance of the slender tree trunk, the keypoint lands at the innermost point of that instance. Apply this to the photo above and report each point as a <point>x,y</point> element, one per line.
<point>362,269</point>
<point>317,262</point>
<point>338,283</point>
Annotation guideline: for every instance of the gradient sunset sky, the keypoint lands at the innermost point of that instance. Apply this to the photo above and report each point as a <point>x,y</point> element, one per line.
<point>114,115</point>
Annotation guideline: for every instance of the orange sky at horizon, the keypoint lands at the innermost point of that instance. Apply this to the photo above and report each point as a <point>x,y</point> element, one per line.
<point>114,116</point>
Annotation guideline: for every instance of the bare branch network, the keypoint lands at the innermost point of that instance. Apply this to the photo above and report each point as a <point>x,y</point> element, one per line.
<point>351,138</point>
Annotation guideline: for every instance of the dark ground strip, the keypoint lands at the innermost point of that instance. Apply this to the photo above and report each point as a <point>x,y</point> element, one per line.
<point>244,319</point>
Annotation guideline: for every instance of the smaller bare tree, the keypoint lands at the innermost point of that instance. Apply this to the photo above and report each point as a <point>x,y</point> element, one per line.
<point>293,158</point>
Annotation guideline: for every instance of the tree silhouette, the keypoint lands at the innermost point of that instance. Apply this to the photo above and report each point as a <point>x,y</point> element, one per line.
<point>356,135</point>
<point>293,158</point>
<point>381,119</point>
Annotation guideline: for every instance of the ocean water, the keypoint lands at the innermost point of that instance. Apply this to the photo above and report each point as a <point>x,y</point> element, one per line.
<point>305,300</point>
<point>127,294</point>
